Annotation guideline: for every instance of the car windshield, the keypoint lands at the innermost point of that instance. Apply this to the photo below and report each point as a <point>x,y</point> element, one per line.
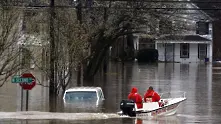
<point>81,95</point>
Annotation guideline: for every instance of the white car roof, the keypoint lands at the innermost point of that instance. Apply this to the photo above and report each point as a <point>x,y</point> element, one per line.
<point>83,89</point>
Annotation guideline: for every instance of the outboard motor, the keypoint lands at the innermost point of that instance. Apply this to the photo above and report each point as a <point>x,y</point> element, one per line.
<point>128,107</point>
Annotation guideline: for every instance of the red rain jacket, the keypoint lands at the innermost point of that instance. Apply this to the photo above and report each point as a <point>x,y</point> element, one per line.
<point>136,97</point>
<point>152,94</point>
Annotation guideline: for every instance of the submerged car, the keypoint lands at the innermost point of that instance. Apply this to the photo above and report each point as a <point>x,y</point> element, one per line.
<point>83,97</point>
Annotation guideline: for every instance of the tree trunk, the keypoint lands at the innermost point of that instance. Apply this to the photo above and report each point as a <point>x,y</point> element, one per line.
<point>130,44</point>
<point>79,75</point>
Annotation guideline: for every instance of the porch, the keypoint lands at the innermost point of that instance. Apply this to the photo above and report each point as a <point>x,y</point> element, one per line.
<point>184,48</point>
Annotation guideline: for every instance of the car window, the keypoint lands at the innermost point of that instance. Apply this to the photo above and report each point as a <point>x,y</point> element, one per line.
<point>81,95</point>
<point>100,94</point>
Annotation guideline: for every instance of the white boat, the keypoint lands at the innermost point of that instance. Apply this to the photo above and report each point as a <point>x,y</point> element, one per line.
<point>168,105</point>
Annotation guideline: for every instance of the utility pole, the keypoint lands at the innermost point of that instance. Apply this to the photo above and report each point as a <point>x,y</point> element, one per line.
<point>53,89</point>
<point>52,83</point>
<point>80,66</point>
<point>79,11</point>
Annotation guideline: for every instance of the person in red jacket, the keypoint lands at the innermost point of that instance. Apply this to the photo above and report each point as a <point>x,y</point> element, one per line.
<point>151,94</point>
<point>136,97</point>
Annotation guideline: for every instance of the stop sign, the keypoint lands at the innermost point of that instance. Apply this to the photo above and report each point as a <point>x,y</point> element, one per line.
<point>28,86</point>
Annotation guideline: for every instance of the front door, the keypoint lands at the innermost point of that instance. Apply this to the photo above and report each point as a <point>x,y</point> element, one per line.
<point>202,51</point>
<point>169,52</point>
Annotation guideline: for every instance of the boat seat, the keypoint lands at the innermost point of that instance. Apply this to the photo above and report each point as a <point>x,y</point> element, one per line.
<point>148,106</point>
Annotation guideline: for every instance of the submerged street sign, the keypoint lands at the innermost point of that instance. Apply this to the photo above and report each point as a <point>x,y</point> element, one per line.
<point>27,81</point>
<point>18,79</point>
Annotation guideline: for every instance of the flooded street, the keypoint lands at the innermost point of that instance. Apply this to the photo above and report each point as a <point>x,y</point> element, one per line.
<point>201,82</point>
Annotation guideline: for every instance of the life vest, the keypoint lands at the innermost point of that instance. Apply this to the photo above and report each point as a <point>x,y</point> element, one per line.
<point>149,99</point>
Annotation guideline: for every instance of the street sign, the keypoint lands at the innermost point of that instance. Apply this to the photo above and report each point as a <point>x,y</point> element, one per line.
<point>26,85</point>
<point>18,79</point>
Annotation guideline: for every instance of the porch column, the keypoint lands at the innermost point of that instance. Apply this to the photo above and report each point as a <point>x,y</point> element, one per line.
<point>156,45</point>
<point>211,52</point>
<point>165,52</point>
<point>136,42</point>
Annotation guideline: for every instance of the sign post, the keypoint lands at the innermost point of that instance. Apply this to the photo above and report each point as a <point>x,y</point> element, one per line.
<point>27,81</point>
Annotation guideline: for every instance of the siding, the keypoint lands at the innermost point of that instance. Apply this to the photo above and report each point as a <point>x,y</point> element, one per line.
<point>193,53</point>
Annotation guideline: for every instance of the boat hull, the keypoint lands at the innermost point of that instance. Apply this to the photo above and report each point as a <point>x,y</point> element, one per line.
<point>166,110</point>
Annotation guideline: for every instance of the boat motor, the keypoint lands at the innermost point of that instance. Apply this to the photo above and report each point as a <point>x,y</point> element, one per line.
<point>128,107</point>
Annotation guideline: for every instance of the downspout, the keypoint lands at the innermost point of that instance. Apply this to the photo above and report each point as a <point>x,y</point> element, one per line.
<point>174,52</point>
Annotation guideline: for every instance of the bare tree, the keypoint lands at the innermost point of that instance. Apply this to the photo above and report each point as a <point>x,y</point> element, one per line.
<point>111,20</point>
<point>19,35</point>
<point>87,42</point>
<point>72,45</point>
<point>10,31</point>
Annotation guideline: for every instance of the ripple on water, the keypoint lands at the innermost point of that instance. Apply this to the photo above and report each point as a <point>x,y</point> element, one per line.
<point>50,115</point>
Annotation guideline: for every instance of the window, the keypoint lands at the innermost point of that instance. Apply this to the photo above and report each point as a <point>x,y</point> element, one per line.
<point>81,95</point>
<point>184,50</point>
<point>100,93</point>
<point>202,28</point>
<point>202,51</point>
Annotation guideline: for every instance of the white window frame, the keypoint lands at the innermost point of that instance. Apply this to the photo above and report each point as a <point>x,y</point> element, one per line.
<point>182,50</point>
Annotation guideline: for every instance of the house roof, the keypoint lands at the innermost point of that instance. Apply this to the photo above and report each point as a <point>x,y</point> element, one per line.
<point>182,39</point>
<point>211,7</point>
<point>32,40</point>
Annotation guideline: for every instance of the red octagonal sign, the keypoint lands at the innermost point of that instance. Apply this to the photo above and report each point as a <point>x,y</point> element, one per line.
<point>28,86</point>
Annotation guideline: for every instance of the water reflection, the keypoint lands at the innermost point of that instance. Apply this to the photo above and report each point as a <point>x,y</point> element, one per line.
<point>107,121</point>
<point>161,120</point>
<point>87,106</point>
<point>200,81</point>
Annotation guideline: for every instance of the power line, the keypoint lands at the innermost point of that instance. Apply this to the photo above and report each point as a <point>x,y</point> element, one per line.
<point>171,1</point>
<point>144,8</point>
<point>144,1</point>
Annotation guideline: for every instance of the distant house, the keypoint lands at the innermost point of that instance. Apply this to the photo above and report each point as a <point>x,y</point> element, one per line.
<point>184,36</point>
<point>36,46</point>
<point>184,48</point>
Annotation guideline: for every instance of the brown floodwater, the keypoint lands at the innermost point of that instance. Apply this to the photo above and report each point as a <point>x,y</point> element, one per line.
<point>201,82</point>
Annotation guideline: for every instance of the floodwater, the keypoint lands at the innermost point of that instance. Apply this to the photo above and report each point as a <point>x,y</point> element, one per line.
<point>201,82</point>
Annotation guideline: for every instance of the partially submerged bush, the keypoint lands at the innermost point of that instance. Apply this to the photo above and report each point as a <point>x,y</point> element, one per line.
<point>147,55</point>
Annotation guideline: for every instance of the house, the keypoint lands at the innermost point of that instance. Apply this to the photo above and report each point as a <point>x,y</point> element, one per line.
<point>184,48</point>
<point>36,47</point>
<point>184,36</point>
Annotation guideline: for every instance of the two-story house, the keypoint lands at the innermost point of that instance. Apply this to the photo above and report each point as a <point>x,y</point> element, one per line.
<point>184,37</point>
